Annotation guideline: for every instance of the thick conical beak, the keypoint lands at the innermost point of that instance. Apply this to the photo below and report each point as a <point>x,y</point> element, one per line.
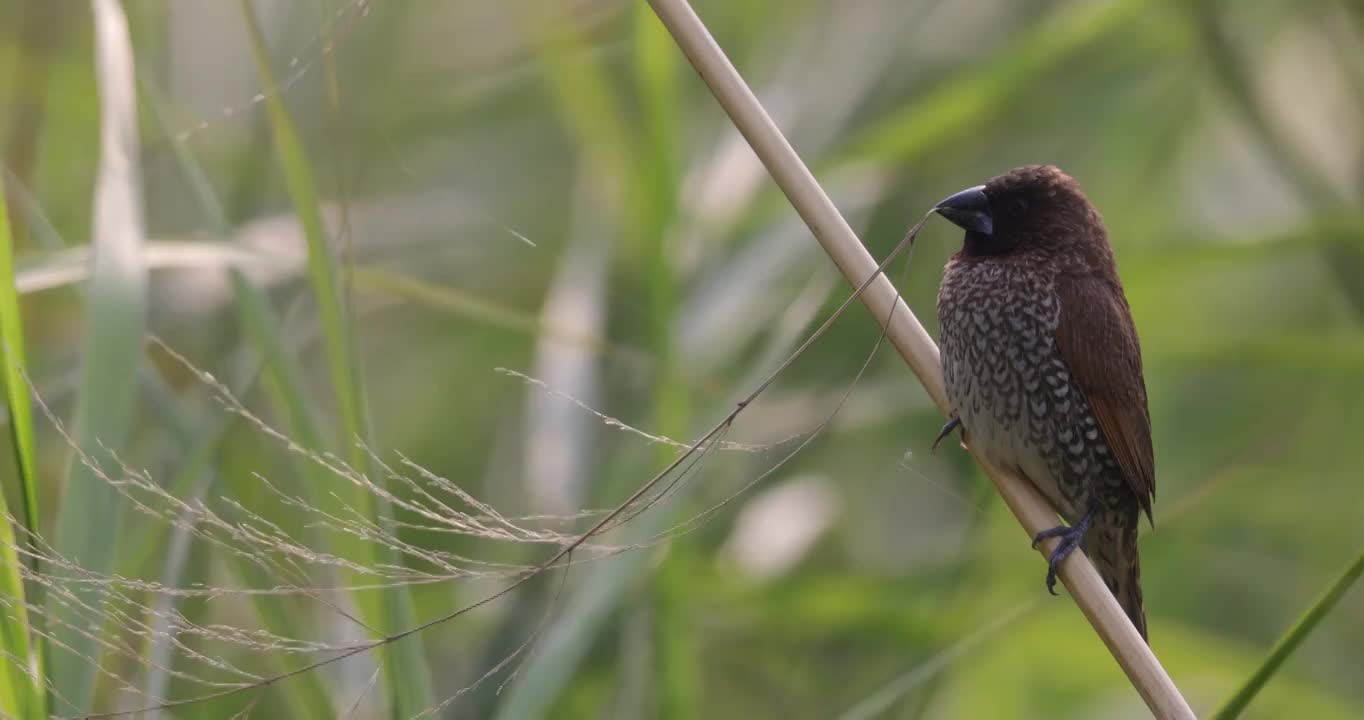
<point>969,209</point>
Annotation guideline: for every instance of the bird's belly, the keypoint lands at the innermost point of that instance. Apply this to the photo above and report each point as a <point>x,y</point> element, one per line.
<point>1013,442</point>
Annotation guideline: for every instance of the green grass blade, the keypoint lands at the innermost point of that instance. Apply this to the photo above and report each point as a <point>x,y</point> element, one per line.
<point>468,306</point>
<point>304,694</point>
<point>583,615</point>
<point>590,106</point>
<point>196,180</point>
<point>87,521</point>
<point>658,60</point>
<point>16,387</point>
<point>959,105</point>
<point>660,106</point>
<point>21,696</point>
<point>321,265</point>
<point>883,700</point>
<point>1290,641</point>
<point>404,667</point>
<point>285,377</point>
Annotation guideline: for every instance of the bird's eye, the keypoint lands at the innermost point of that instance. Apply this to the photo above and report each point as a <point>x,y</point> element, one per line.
<point>1018,206</point>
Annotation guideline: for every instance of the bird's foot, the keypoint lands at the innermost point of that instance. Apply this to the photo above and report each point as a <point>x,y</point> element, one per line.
<point>1071,536</point>
<point>947,429</point>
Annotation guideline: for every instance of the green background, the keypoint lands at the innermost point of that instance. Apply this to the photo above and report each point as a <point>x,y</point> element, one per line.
<point>546,187</point>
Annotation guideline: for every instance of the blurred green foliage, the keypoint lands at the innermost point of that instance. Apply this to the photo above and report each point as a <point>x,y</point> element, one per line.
<point>546,187</point>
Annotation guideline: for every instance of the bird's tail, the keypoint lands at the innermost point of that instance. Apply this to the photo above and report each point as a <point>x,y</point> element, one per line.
<point>1111,545</point>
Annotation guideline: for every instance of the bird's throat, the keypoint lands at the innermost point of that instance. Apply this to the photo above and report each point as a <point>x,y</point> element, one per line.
<point>981,245</point>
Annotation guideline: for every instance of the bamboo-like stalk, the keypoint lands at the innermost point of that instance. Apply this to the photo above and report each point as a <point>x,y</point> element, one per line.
<point>913,343</point>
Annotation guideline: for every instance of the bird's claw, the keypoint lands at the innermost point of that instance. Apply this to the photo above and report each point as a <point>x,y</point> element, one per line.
<point>1071,537</point>
<point>947,429</point>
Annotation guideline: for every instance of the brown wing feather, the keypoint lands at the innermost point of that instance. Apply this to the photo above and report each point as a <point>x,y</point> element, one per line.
<point>1097,339</point>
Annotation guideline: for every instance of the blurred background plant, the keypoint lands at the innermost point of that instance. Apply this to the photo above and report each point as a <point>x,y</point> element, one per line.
<point>439,259</point>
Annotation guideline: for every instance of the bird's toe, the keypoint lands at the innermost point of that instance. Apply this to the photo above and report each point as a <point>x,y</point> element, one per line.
<point>1057,531</point>
<point>1071,536</point>
<point>947,429</point>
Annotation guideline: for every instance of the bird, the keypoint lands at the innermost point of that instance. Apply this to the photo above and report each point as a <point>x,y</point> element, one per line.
<point>1042,365</point>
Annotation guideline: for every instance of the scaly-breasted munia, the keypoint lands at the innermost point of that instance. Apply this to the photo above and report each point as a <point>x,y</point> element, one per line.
<point>1043,366</point>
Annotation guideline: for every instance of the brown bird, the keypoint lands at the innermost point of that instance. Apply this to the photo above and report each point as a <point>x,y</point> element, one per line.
<point>1043,366</point>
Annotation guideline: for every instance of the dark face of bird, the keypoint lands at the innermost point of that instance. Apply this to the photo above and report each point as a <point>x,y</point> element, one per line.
<point>1031,209</point>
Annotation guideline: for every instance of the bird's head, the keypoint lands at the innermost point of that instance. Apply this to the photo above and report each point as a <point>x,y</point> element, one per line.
<point>1031,208</point>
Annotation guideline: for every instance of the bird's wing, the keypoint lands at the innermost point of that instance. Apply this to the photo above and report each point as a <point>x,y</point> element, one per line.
<point>1098,341</point>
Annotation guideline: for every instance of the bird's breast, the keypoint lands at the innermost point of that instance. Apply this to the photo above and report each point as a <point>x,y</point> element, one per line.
<point>1004,375</point>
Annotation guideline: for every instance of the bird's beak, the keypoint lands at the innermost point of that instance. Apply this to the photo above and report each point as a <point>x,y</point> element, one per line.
<point>969,209</point>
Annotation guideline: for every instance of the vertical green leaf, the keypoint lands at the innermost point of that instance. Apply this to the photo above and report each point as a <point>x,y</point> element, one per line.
<point>404,668</point>
<point>21,696</point>
<point>961,104</point>
<point>1290,641</point>
<point>678,668</point>
<point>306,695</point>
<point>88,521</point>
<point>656,80</point>
<point>16,386</point>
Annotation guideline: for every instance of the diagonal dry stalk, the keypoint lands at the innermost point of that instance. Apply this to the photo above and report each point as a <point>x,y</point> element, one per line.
<point>912,341</point>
